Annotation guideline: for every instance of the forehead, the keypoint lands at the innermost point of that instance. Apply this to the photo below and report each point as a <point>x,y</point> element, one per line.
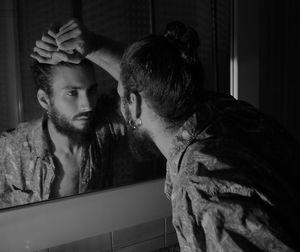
<point>76,76</point>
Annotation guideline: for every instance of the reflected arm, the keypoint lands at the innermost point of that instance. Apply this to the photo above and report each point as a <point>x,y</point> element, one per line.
<point>107,55</point>
<point>73,42</point>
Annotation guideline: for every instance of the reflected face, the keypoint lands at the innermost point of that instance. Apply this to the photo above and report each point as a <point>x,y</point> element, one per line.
<point>73,100</point>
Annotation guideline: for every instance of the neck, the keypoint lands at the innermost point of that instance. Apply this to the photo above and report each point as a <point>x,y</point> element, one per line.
<point>162,136</point>
<point>60,142</point>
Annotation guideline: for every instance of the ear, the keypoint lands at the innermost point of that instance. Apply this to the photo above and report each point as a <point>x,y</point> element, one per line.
<point>135,105</point>
<point>43,99</point>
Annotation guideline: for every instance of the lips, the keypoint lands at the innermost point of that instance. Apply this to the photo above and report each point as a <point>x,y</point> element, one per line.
<point>84,117</point>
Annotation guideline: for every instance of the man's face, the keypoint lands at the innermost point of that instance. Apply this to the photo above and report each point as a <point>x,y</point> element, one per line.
<point>73,100</point>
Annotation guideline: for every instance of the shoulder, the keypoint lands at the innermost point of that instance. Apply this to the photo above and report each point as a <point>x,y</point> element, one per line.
<point>204,155</point>
<point>215,166</point>
<point>13,142</point>
<point>20,133</point>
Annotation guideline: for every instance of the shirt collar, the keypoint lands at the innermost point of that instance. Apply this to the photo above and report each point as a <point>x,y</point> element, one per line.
<point>196,124</point>
<point>184,136</point>
<point>40,137</point>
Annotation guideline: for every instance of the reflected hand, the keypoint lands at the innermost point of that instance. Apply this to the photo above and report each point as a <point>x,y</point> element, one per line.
<point>71,43</point>
<point>46,49</point>
<point>76,38</point>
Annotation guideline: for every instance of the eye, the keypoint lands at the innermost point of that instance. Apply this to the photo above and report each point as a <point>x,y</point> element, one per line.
<point>72,93</point>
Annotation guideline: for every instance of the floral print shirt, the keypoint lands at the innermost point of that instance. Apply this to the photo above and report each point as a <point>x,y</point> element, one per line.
<point>27,168</point>
<point>233,180</point>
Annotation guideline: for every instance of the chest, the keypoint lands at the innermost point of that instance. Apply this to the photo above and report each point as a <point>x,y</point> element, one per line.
<point>67,175</point>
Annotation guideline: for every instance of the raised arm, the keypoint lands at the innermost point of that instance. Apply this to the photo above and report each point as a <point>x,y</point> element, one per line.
<point>108,56</point>
<point>73,41</point>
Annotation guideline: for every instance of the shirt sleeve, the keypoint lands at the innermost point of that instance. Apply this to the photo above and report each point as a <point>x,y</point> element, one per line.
<point>207,219</point>
<point>2,165</point>
<point>5,188</point>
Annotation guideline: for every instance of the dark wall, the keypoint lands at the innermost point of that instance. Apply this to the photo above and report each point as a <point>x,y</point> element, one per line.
<point>128,20</point>
<point>279,62</point>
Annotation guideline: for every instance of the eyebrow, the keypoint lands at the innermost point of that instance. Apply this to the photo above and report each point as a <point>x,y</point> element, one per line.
<point>75,87</point>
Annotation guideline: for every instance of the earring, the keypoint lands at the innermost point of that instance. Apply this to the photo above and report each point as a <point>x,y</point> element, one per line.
<point>131,124</point>
<point>139,122</point>
<point>135,124</point>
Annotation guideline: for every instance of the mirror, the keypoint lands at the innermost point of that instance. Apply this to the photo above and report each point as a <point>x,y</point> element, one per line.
<point>23,24</point>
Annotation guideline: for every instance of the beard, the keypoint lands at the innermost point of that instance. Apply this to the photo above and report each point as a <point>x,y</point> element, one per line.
<point>140,141</point>
<point>64,126</point>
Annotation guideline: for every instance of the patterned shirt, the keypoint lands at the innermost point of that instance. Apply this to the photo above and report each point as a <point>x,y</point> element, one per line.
<point>233,180</point>
<point>27,167</point>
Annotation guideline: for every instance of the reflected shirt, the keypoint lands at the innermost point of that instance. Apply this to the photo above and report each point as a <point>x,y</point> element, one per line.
<point>27,168</point>
<point>232,177</point>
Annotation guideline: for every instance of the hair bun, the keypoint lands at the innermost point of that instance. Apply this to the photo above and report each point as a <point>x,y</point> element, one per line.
<point>185,39</point>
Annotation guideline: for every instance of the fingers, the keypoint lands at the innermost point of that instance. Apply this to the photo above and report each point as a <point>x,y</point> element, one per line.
<point>42,59</point>
<point>74,33</point>
<point>53,29</point>
<point>48,39</point>
<point>57,57</point>
<point>51,33</point>
<point>68,28</point>
<point>45,46</point>
<point>63,44</point>
<point>71,22</point>
<point>72,44</point>
<point>42,52</point>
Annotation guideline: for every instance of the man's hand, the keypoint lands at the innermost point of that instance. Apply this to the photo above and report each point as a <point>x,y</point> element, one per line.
<point>45,49</point>
<point>71,43</point>
<point>74,36</point>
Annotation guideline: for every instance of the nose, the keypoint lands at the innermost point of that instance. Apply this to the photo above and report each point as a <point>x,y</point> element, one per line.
<point>87,102</point>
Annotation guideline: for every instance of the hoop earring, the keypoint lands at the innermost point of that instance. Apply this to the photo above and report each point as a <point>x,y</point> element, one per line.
<point>138,122</point>
<point>132,124</point>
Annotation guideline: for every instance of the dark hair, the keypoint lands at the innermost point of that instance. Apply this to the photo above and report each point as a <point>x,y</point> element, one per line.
<point>166,71</point>
<point>43,73</point>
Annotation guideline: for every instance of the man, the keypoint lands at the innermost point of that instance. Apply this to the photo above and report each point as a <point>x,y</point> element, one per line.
<point>69,150</point>
<point>232,172</point>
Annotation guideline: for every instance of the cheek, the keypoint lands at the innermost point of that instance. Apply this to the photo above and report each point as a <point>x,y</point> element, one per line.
<point>67,108</point>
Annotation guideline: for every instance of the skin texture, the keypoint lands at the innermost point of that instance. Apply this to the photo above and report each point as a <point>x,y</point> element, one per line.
<point>70,108</point>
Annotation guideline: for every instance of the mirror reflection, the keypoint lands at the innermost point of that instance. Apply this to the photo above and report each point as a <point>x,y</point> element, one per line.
<point>62,129</point>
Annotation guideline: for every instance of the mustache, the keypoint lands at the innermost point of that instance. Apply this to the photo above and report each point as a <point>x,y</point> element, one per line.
<point>89,115</point>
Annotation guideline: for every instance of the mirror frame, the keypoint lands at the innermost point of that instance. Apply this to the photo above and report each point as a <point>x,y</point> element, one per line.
<point>51,223</point>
